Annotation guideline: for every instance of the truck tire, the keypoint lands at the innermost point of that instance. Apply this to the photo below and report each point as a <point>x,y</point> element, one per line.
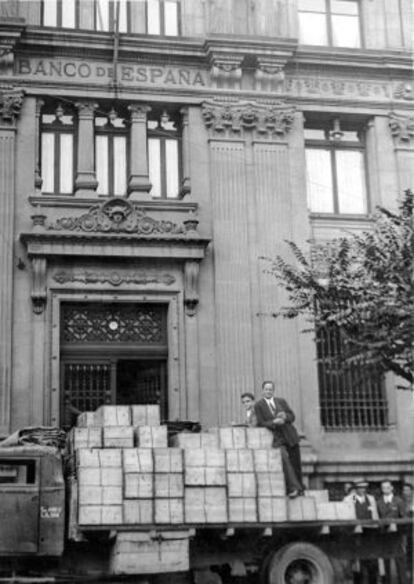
<point>299,563</point>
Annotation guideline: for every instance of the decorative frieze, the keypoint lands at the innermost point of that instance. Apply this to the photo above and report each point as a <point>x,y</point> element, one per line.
<point>265,120</point>
<point>117,215</point>
<point>404,91</point>
<point>402,128</point>
<point>11,101</point>
<point>338,88</point>
<point>113,277</point>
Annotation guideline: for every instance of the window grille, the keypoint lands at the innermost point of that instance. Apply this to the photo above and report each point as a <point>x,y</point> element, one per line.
<point>352,398</point>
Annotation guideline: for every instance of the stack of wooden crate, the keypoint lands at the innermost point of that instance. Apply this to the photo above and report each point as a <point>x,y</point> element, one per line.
<point>241,481</point>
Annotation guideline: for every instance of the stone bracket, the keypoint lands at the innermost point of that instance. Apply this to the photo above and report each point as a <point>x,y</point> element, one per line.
<point>402,128</point>
<point>191,277</point>
<point>39,295</point>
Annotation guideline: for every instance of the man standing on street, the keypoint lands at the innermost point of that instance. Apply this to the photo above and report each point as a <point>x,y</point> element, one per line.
<point>275,414</point>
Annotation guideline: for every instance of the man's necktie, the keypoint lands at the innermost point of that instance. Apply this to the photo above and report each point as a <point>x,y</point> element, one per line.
<point>272,407</point>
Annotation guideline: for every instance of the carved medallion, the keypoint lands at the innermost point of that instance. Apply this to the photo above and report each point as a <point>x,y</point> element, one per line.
<point>117,215</point>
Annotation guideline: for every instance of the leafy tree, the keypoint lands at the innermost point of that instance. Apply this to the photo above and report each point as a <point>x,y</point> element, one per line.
<point>362,289</point>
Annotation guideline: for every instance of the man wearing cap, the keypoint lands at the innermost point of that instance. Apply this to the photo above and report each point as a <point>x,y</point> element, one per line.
<point>365,508</point>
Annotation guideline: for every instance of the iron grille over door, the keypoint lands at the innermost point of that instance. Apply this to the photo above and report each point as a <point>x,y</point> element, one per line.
<point>112,354</point>
<point>353,398</point>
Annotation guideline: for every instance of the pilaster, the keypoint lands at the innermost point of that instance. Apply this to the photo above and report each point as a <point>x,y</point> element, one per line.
<point>11,101</point>
<point>86,183</point>
<point>138,182</point>
<point>402,131</point>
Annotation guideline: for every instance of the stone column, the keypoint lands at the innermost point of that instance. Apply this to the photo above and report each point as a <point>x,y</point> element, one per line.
<point>11,102</point>
<point>86,183</point>
<point>138,182</point>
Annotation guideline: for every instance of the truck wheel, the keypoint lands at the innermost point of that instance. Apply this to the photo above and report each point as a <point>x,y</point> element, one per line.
<point>299,563</point>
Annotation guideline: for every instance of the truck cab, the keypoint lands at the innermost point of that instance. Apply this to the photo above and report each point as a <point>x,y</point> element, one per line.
<point>32,501</point>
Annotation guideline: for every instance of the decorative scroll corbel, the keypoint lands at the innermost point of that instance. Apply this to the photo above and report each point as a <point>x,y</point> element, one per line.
<point>191,298</point>
<point>39,266</point>
<point>401,127</point>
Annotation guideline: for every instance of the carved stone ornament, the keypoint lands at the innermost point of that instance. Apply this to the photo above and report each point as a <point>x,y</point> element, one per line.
<point>269,75</point>
<point>113,277</point>
<point>237,117</point>
<point>191,298</point>
<point>11,101</point>
<point>226,71</point>
<point>38,294</point>
<point>404,91</point>
<point>117,215</point>
<point>402,127</point>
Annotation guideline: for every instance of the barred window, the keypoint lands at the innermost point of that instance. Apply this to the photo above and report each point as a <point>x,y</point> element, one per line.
<point>57,149</point>
<point>352,398</point>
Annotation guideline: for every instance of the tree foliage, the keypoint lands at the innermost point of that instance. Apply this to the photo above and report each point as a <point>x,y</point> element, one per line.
<point>362,286</point>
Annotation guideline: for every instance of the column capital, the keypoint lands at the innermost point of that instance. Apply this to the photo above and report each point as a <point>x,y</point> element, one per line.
<point>139,112</point>
<point>11,101</point>
<point>402,128</point>
<point>86,109</point>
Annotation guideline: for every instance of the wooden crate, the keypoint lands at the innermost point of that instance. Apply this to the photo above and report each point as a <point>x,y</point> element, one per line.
<point>151,436</point>
<point>138,485</point>
<point>232,437</point>
<point>169,511</point>
<point>110,458</point>
<point>111,476</point>
<point>242,509</point>
<point>239,460</point>
<point>204,457</point>
<point>268,460</point>
<point>138,511</point>
<point>205,505</point>
<point>87,458</point>
<point>88,437</point>
<point>259,438</point>
<point>137,460</point>
<point>168,485</point>
<point>241,484</point>
<point>85,419</point>
<point>345,510</point>
<point>112,514</point>
<point>168,460</point>
<point>326,511</point>
<point>137,553</point>
<point>90,495</point>
<point>272,509</point>
<point>270,484</point>
<point>89,477</point>
<point>90,515</point>
<point>195,440</point>
<point>205,476</point>
<point>118,437</point>
<point>302,509</point>
<point>148,415</point>
<point>113,416</point>
<point>320,496</point>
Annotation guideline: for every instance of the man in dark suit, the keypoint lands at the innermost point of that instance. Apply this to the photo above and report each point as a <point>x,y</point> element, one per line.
<point>392,507</point>
<point>275,414</point>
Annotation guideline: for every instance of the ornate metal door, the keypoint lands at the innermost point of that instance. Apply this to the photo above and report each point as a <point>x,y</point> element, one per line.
<point>112,353</point>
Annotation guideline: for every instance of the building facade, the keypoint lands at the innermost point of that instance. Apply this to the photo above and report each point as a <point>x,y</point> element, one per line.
<point>152,153</point>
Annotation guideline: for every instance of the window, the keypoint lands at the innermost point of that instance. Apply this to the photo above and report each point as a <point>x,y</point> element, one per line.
<point>162,17</point>
<point>352,398</point>
<point>17,472</point>
<point>335,169</point>
<point>111,153</point>
<point>61,13</point>
<point>330,22</point>
<point>57,152</point>
<point>158,17</point>
<point>163,156</point>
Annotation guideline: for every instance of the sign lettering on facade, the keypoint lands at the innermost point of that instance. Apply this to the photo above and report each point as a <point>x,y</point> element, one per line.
<point>81,71</point>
